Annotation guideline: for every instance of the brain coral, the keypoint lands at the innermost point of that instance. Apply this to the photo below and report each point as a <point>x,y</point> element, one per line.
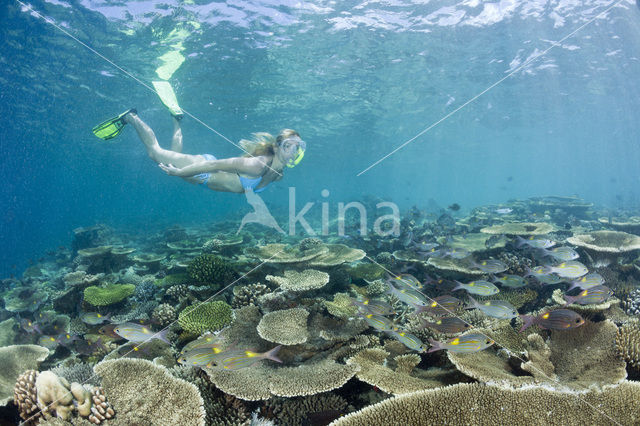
<point>143,393</point>
<point>288,327</point>
<point>207,316</point>
<point>108,295</point>
<point>478,404</point>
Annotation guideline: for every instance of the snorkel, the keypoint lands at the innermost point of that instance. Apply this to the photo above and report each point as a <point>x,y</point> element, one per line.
<point>294,159</point>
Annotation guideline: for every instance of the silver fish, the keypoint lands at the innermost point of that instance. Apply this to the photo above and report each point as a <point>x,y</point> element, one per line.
<point>468,343</point>
<point>511,281</point>
<point>409,297</point>
<point>534,242</point>
<point>570,269</point>
<point>491,266</point>
<point>561,253</point>
<point>94,318</point>
<point>237,359</point>
<point>139,333</point>
<point>479,287</point>
<point>588,281</point>
<point>590,296</point>
<point>558,319</point>
<point>409,340</point>
<point>379,322</point>
<point>494,308</point>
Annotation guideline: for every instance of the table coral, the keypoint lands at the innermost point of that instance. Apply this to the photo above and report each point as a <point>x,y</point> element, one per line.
<point>108,295</point>
<point>295,281</point>
<point>287,327</point>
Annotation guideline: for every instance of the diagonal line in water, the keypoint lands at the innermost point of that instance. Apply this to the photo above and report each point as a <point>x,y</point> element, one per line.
<point>512,353</point>
<point>521,66</point>
<point>142,83</point>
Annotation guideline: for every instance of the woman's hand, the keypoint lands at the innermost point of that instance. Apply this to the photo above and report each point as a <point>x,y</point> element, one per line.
<point>170,169</point>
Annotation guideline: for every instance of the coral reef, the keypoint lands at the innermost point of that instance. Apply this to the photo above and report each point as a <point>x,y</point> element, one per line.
<point>520,228</point>
<point>299,411</point>
<point>108,295</point>
<point>309,279</point>
<point>628,343</point>
<point>482,404</point>
<point>164,314</point>
<point>144,393</point>
<point>287,327</point>
<point>15,360</point>
<point>283,253</point>
<point>211,269</point>
<point>248,294</point>
<point>335,255</point>
<point>207,316</point>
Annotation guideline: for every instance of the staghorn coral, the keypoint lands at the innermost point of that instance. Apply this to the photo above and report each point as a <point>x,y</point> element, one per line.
<point>144,393</point>
<point>628,343</point>
<point>582,358</point>
<point>108,295</point>
<point>294,281</point>
<point>164,314</point>
<point>478,404</point>
<point>15,360</point>
<point>248,294</point>
<point>404,379</point>
<point>287,327</point>
<point>519,228</point>
<point>207,316</point>
<point>260,382</point>
<point>211,269</point>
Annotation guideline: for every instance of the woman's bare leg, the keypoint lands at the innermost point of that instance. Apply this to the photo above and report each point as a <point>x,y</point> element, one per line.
<point>157,153</point>
<point>176,141</point>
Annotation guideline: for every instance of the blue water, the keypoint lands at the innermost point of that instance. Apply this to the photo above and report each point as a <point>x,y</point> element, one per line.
<point>356,79</point>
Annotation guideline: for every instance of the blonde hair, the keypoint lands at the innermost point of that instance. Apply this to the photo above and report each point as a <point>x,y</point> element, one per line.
<point>263,143</point>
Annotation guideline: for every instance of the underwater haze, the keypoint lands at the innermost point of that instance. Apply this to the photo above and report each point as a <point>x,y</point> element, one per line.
<point>500,138</point>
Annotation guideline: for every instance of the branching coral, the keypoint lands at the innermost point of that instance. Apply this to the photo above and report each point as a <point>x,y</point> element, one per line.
<point>211,269</point>
<point>628,343</point>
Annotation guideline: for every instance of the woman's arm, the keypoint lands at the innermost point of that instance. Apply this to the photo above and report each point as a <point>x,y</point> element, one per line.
<point>250,166</point>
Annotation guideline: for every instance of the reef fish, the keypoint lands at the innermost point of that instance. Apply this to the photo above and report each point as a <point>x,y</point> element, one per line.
<point>202,356</point>
<point>409,340</point>
<point>446,325</point>
<point>379,322</point>
<point>375,307</point>
<point>410,297</point>
<point>441,306</point>
<point>207,340</point>
<point>570,269</point>
<point>550,279</point>
<point>561,253</point>
<point>558,319</point>
<point>405,282</point>
<point>472,342</point>
<point>94,318</point>
<point>491,266</point>
<point>49,342</point>
<point>29,326</point>
<point>534,242</point>
<point>590,296</point>
<point>494,308</point>
<point>237,359</point>
<point>511,281</point>
<point>423,246</point>
<point>479,287</point>
<point>455,253</point>
<point>139,333</point>
<point>588,281</point>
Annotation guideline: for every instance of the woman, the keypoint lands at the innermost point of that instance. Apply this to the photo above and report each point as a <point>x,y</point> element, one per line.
<point>263,164</point>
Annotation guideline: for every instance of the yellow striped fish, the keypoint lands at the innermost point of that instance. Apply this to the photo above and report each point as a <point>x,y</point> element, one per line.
<point>571,269</point>
<point>237,359</point>
<point>467,343</point>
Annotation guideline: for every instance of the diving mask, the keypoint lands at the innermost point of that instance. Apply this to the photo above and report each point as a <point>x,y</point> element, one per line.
<point>291,143</point>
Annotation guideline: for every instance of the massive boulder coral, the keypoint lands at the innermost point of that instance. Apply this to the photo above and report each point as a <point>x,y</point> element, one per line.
<point>143,393</point>
<point>295,281</point>
<point>478,404</point>
<point>287,327</point>
<point>13,361</point>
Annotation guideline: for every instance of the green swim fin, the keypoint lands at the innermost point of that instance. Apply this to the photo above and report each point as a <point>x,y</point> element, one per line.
<point>168,98</point>
<point>112,127</point>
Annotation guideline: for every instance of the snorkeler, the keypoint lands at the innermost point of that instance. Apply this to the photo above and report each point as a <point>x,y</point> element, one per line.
<point>263,164</point>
